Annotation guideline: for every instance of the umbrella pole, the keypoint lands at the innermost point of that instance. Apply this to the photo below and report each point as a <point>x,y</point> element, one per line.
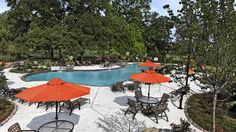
<point>148,90</point>
<point>56,113</point>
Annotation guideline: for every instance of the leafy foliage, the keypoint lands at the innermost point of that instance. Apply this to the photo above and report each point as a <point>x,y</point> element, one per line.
<point>183,127</point>
<point>58,28</point>
<point>197,112</point>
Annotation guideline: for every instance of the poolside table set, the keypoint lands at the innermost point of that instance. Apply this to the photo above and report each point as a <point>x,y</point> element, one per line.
<point>147,103</point>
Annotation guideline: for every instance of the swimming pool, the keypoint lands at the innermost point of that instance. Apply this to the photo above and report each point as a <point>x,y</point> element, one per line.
<point>95,78</point>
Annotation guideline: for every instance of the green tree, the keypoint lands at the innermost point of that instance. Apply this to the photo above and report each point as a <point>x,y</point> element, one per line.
<point>207,29</point>
<point>158,36</point>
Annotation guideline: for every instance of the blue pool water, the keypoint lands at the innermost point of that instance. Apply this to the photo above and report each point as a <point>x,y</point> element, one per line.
<point>96,78</point>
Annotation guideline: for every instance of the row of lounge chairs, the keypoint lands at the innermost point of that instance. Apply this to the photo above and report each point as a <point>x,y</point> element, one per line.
<point>72,105</point>
<point>119,86</point>
<point>10,93</point>
<point>69,105</point>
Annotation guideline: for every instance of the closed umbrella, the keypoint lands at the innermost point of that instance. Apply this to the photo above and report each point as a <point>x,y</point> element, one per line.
<point>150,77</point>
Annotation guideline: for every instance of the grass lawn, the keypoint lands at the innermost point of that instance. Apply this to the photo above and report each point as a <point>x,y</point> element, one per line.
<point>198,113</point>
<point>6,109</point>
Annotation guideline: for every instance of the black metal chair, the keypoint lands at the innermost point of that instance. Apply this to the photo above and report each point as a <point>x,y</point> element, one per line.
<point>10,93</point>
<point>159,110</point>
<point>134,107</point>
<point>138,94</point>
<point>69,105</point>
<point>16,128</point>
<point>136,86</point>
<point>164,98</point>
<point>117,87</point>
<point>72,105</point>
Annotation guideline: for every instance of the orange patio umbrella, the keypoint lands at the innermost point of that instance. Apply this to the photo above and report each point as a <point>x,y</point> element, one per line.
<point>191,71</point>
<point>149,64</point>
<point>55,90</point>
<point>150,77</point>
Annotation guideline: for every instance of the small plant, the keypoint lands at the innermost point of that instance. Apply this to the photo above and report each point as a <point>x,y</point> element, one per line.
<point>28,66</point>
<point>70,60</point>
<point>48,63</point>
<point>183,127</point>
<point>232,106</point>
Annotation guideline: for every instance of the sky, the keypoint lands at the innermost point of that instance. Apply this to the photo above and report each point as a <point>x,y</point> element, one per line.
<point>157,5</point>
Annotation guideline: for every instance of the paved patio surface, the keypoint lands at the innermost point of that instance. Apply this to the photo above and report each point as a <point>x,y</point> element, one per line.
<point>104,113</point>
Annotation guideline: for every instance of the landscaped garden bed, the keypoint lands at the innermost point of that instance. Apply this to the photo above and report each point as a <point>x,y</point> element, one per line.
<point>6,108</point>
<point>200,113</point>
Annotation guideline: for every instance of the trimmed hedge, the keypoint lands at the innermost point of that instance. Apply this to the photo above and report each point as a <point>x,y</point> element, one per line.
<point>203,119</point>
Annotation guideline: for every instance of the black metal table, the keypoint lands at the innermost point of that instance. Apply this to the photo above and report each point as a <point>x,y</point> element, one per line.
<point>147,103</point>
<point>57,126</point>
<point>148,100</point>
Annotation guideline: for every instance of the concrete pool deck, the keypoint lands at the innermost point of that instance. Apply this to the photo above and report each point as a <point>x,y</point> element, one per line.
<point>104,113</point>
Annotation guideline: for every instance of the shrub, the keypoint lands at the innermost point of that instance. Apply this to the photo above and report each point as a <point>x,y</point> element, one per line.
<point>28,65</point>
<point>183,127</point>
<point>6,109</point>
<point>199,113</point>
<point>1,68</point>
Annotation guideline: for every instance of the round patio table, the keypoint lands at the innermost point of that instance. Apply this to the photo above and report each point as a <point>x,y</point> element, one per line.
<point>146,103</point>
<point>148,100</point>
<point>57,126</point>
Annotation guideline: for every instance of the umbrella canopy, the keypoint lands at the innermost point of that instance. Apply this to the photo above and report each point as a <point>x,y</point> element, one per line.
<point>149,64</point>
<point>55,90</point>
<point>150,77</point>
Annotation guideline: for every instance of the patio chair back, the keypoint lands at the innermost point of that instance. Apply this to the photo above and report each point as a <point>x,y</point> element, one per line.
<point>134,107</point>
<point>136,86</point>
<point>117,87</point>
<point>138,94</point>
<point>16,128</point>
<point>8,92</point>
<point>69,106</point>
<point>131,103</point>
<point>160,109</point>
<point>164,98</point>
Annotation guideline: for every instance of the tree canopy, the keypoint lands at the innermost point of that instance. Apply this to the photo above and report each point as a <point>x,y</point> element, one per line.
<point>58,28</point>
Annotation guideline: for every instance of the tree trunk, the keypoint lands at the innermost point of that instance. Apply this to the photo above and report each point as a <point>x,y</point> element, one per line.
<point>214,112</point>
<point>52,54</point>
